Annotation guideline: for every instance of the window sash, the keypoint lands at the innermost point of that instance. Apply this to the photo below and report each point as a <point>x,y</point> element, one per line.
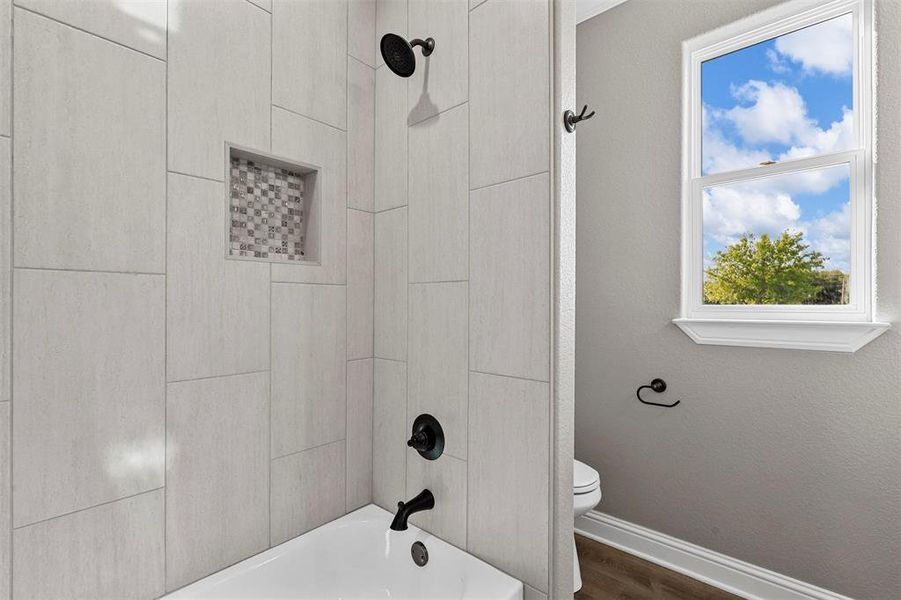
<point>734,37</point>
<point>782,19</point>
<point>784,167</point>
<point>854,310</point>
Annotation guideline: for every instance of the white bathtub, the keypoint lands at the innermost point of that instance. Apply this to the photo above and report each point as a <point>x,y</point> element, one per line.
<point>358,556</point>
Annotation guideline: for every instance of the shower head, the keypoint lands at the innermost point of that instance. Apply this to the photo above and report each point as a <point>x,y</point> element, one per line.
<point>398,52</point>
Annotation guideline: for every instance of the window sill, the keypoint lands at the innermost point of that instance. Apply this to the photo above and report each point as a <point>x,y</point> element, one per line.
<point>827,336</point>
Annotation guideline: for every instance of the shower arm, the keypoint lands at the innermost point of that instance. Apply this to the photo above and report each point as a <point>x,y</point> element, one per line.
<point>428,45</point>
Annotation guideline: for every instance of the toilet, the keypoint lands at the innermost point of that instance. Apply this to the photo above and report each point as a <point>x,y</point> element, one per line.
<point>586,495</point>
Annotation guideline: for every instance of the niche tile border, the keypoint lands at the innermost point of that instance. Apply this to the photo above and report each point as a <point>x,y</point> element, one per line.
<point>272,207</point>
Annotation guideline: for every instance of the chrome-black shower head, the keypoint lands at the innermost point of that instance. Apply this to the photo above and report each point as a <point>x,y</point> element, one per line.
<point>398,52</point>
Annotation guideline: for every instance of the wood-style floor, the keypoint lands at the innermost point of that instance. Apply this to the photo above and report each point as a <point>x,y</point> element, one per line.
<point>611,574</point>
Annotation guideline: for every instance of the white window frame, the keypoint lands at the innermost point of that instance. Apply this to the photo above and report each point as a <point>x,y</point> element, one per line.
<point>812,327</point>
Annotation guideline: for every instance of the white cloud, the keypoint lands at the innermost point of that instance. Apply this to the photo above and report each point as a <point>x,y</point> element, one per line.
<point>814,181</point>
<point>777,63</point>
<point>719,153</point>
<point>732,211</point>
<point>827,47</point>
<point>816,141</point>
<point>777,113</point>
<point>835,224</point>
<point>831,236</point>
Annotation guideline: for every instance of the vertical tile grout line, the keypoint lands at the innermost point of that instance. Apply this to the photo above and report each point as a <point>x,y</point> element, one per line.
<point>271,85</point>
<point>406,259</point>
<point>269,418</point>
<point>11,279</point>
<point>375,21</point>
<point>166,327</point>
<point>346,234</point>
<point>371,282</point>
<point>552,297</point>
<point>269,285</point>
<point>468,265</point>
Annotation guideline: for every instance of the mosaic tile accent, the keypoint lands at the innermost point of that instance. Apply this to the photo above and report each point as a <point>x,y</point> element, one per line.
<point>266,211</point>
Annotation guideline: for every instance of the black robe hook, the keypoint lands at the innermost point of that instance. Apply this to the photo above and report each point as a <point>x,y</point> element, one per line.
<point>570,118</point>
<point>658,385</point>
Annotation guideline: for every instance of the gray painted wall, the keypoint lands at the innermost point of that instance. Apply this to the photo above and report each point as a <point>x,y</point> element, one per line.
<point>788,459</point>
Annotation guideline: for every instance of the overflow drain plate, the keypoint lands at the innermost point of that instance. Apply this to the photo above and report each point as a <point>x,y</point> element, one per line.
<point>419,553</point>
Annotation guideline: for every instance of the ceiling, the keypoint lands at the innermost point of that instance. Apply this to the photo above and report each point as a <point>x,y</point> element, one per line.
<point>585,9</point>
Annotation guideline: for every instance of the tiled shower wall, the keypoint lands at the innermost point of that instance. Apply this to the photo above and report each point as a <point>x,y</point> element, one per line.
<point>463,275</point>
<point>165,412</point>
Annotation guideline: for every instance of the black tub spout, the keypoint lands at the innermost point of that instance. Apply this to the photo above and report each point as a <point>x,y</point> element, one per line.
<point>424,500</point>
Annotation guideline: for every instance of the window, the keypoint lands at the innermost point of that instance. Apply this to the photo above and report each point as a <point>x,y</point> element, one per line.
<point>778,160</point>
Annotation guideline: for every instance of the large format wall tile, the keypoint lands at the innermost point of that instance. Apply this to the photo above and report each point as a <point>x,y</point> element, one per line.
<point>109,551</point>
<point>530,593</point>
<point>302,139</point>
<point>438,363</point>
<point>307,490</point>
<point>390,311</point>
<point>5,266</point>
<point>314,87</point>
<point>138,25</point>
<point>90,147</point>
<point>391,140</point>
<point>359,433</point>
<point>509,320</point>
<point>90,389</point>
<point>96,436</point>
<point>217,474</point>
<point>359,284</point>
<point>308,366</point>
<point>5,492</point>
<point>440,80</point>
<point>218,309</point>
<point>360,135</point>
<point>5,54</point>
<point>509,81</point>
<point>516,460</point>
<point>219,82</point>
<point>439,188</point>
<point>446,479</point>
<point>390,17</point>
<point>389,433</point>
<point>361,30</point>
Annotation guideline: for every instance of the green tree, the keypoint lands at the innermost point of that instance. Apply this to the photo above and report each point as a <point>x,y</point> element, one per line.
<point>765,270</point>
<point>834,287</point>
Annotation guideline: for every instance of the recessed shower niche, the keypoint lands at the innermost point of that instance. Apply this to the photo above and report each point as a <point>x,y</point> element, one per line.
<point>273,207</point>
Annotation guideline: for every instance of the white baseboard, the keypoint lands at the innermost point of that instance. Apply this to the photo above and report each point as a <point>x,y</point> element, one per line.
<point>721,571</point>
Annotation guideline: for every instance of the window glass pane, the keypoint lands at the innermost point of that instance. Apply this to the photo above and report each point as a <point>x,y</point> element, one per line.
<point>783,239</point>
<point>786,98</point>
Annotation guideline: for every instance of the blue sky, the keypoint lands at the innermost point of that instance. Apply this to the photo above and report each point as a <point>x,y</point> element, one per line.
<point>790,97</point>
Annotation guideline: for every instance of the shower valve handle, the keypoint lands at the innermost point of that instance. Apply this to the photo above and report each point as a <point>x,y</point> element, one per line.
<point>427,437</point>
<point>421,441</point>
